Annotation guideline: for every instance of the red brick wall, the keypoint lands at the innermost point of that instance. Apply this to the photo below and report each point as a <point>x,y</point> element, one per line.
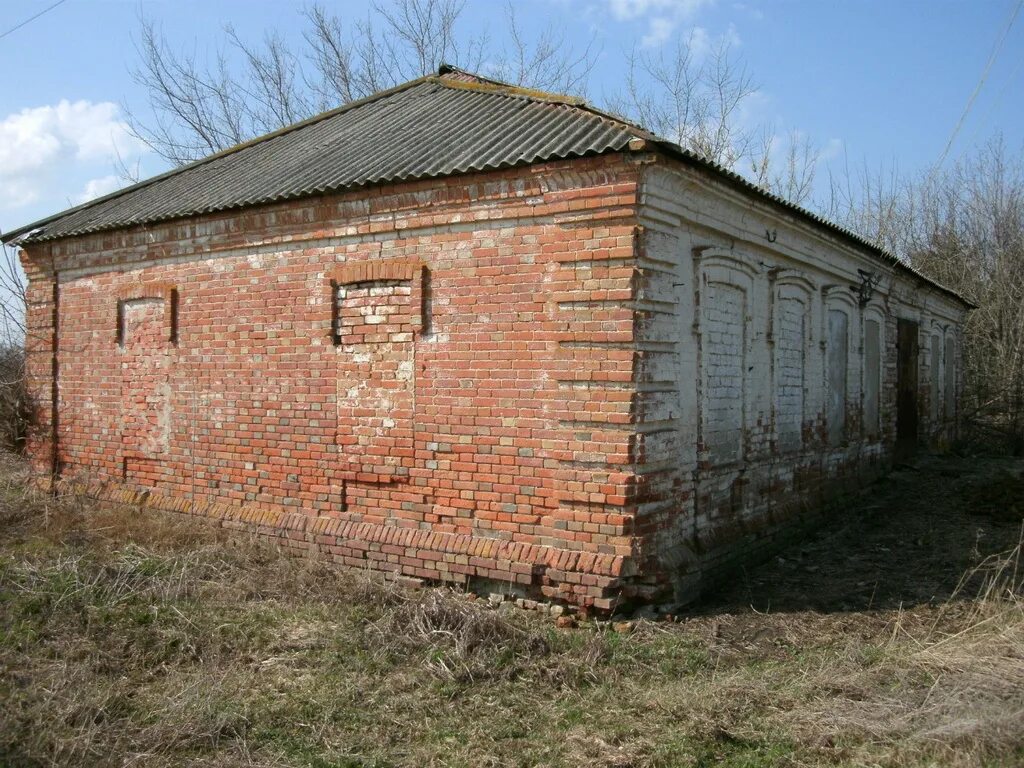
<point>433,378</point>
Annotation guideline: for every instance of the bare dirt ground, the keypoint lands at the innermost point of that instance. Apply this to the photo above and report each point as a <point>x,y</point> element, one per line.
<point>912,542</point>
<point>895,636</point>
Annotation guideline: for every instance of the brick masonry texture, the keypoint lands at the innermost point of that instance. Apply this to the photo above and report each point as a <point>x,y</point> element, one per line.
<point>592,380</point>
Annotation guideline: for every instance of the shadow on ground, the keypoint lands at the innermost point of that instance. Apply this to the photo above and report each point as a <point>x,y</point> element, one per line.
<point>906,542</point>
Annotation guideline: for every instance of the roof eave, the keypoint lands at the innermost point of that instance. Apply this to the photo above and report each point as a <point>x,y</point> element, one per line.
<point>738,182</point>
<point>42,237</point>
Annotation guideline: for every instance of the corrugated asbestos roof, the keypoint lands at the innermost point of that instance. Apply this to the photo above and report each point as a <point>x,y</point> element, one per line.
<point>451,123</point>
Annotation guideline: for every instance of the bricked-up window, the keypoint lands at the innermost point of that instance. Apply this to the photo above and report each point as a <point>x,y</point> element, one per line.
<point>872,375</point>
<point>377,311</point>
<point>164,297</point>
<point>374,329</point>
<point>935,377</point>
<point>412,275</point>
<point>836,366</point>
<point>145,399</point>
<point>372,313</point>
<point>723,362</point>
<point>790,356</point>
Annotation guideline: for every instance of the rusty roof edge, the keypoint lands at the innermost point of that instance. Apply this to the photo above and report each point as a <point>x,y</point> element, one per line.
<point>738,182</point>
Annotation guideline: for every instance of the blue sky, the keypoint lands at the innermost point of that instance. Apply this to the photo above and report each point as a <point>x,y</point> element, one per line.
<point>871,82</point>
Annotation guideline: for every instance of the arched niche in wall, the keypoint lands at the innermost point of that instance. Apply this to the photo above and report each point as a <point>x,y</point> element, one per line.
<point>724,294</point>
<point>872,348</point>
<point>840,311</point>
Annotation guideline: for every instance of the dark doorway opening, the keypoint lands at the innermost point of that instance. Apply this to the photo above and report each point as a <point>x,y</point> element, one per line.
<point>906,389</point>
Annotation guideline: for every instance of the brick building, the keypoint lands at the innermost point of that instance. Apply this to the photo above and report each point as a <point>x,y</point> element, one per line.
<point>467,332</point>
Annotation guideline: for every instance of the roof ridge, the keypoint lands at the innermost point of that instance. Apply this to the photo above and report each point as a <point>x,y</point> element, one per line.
<point>512,90</point>
<point>488,85</point>
<point>445,70</point>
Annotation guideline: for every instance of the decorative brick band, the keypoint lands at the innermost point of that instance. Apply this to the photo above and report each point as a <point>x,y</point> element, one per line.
<point>582,578</point>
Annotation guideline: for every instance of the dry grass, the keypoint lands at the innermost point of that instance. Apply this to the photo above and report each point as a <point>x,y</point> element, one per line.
<point>130,638</point>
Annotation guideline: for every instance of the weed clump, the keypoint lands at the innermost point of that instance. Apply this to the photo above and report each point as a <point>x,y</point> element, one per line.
<point>457,639</point>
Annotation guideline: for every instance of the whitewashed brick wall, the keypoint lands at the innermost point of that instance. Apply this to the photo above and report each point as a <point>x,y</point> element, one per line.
<point>785,381</point>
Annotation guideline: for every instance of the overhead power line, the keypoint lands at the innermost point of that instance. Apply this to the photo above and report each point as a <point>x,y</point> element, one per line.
<point>986,119</point>
<point>31,19</point>
<point>977,89</point>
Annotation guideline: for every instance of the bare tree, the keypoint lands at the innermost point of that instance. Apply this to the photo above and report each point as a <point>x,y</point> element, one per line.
<point>420,35</point>
<point>871,202</point>
<point>406,40</point>
<point>963,227</point>
<point>548,63</point>
<point>15,410</point>
<point>689,98</point>
<point>272,91</point>
<point>966,229</point>
<point>12,297</point>
<point>788,170</point>
<point>199,106</point>
<point>694,95</point>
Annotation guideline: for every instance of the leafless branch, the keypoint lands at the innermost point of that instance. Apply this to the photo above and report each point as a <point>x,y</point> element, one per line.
<point>547,63</point>
<point>695,95</point>
<point>964,227</point>
<point>202,104</point>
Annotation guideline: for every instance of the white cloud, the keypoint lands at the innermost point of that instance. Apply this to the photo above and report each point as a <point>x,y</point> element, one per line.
<point>658,33</point>
<point>752,11</point>
<point>757,110</point>
<point>632,9</point>
<point>832,149</point>
<point>663,17</point>
<point>97,188</point>
<point>17,192</point>
<point>86,131</point>
<point>699,42</point>
<point>43,148</point>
